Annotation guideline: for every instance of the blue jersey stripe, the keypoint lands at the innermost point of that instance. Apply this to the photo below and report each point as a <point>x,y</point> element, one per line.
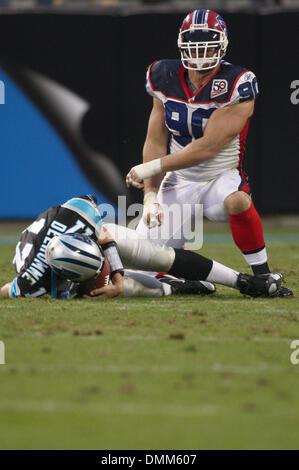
<point>87,209</point>
<point>14,290</point>
<point>182,140</point>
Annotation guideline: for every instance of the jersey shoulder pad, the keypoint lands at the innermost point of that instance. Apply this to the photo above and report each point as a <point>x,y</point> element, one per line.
<point>242,83</point>
<point>161,76</point>
<point>86,208</point>
<point>232,84</point>
<point>246,88</point>
<point>230,71</point>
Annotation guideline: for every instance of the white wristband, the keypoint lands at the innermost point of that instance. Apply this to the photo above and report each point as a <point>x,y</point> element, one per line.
<point>146,170</point>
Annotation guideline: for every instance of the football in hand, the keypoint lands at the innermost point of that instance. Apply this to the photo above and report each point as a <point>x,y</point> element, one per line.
<point>103,279</point>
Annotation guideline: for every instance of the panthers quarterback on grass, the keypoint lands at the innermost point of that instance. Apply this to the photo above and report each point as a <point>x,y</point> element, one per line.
<point>67,245</point>
<point>203,104</point>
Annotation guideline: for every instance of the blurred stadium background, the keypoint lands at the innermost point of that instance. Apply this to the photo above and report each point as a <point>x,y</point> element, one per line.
<point>76,111</point>
<point>212,3</point>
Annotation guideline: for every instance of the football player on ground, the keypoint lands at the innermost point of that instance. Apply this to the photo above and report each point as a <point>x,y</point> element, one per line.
<point>204,105</point>
<point>66,238</point>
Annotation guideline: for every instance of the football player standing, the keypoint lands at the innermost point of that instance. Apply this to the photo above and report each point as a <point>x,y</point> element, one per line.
<point>204,104</point>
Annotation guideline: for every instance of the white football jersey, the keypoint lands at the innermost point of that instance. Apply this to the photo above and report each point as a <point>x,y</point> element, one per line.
<point>187,113</point>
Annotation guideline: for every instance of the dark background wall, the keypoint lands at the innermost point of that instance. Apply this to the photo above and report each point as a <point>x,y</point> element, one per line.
<point>103,58</point>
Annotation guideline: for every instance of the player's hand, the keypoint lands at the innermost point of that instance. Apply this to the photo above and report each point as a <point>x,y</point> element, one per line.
<point>152,210</point>
<point>141,172</point>
<point>6,289</point>
<point>133,178</point>
<point>105,292</point>
<point>112,290</point>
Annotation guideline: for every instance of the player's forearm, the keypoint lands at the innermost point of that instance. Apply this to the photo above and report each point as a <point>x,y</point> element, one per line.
<point>152,184</point>
<point>151,151</point>
<point>118,281</point>
<point>112,290</point>
<point>105,237</point>
<point>194,153</point>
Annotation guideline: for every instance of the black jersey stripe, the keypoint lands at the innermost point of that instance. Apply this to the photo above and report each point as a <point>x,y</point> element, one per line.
<point>77,262</point>
<point>79,250</point>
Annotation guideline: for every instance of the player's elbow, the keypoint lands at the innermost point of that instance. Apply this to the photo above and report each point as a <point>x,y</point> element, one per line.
<point>210,150</point>
<point>156,144</point>
<point>214,147</point>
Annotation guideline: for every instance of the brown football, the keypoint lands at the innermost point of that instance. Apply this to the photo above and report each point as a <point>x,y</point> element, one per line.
<point>103,279</point>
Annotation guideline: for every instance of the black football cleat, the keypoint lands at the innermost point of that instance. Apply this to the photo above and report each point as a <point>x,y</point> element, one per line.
<point>268,285</point>
<point>284,292</point>
<point>185,287</point>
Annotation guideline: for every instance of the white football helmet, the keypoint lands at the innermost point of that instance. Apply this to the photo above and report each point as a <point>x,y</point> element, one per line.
<point>75,257</point>
<point>202,40</point>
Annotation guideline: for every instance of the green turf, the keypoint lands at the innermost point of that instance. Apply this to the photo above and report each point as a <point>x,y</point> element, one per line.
<point>176,373</point>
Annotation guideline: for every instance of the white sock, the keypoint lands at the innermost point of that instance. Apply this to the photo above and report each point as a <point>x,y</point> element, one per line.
<point>223,275</point>
<point>256,258</point>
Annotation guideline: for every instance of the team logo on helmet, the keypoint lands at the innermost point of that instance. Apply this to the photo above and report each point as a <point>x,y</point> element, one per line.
<point>221,23</point>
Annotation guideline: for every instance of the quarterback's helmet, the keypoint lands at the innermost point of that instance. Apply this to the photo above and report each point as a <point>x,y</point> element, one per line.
<point>75,257</point>
<point>202,31</point>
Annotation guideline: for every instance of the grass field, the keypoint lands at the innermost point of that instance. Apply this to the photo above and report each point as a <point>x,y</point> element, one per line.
<point>175,373</point>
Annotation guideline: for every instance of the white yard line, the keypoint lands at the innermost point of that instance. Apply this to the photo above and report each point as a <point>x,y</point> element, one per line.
<point>162,409</point>
<point>146,370</point>
<point>196,338</point>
